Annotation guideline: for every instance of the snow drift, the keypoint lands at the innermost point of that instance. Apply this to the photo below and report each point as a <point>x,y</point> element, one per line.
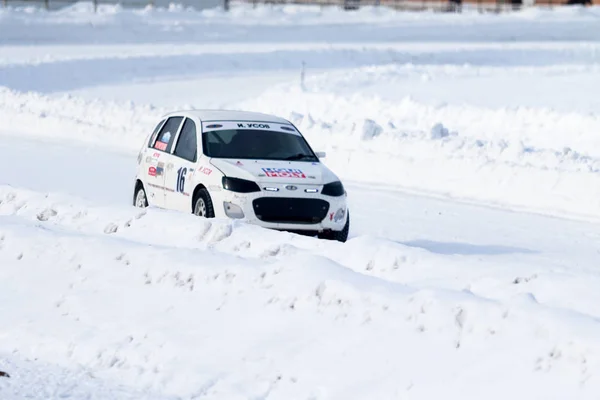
<point>163,309</point>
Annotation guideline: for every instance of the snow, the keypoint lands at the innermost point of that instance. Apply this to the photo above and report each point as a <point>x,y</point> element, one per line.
<point>160,303</point>
<point>468,146</point>
<point>34,380</point>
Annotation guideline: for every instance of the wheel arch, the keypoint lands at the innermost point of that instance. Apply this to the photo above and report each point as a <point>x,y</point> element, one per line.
<point>196,193</point>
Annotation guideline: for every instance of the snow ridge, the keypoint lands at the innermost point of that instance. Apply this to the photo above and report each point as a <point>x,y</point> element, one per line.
<point>147,294</point>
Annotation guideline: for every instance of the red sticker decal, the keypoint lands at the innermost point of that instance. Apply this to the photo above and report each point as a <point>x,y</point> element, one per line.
<point>152,171</point>
<point>161,146</point>
<point>205,171</point>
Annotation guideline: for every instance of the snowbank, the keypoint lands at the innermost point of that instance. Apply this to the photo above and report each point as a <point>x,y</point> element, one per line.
<point>536,159</point>
<point>161,312</point>
<point>526,158</point>
<point>120,126</point>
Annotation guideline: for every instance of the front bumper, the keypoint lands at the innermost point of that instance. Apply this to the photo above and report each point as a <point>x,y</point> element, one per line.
<point>284,209</point>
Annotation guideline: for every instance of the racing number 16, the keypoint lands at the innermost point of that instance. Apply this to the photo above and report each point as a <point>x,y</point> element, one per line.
<point>181,172</point>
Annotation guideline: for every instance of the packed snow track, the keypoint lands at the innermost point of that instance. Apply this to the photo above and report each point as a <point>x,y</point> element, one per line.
<point>470,157</point>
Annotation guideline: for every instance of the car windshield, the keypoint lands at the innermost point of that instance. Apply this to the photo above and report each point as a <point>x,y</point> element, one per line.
<point>256,144</point>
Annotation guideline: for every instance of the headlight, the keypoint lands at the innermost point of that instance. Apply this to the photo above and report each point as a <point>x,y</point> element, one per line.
<point>333,189</point>
<point>239,185</point>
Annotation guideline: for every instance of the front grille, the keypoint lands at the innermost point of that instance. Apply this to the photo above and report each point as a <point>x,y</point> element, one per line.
<point>290,210</point>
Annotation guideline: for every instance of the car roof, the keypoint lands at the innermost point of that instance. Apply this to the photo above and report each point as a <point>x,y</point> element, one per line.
<point>229,115</point>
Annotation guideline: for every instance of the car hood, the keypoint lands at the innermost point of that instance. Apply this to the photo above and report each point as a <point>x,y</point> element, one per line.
<point>265,171</point>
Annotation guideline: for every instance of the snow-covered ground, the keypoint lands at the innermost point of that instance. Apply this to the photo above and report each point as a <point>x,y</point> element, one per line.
<point>469,147</point>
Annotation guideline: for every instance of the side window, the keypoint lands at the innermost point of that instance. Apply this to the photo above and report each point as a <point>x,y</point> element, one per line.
<point>166,136</point>
<point>153,136</point>
<point>187,146</point>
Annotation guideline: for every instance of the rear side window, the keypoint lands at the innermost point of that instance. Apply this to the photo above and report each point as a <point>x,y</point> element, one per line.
<point>153,136</point>
<point>187,145</point>
<point>166,136</point>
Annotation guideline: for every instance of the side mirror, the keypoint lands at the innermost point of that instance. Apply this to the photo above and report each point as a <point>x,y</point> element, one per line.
<point>321,154</point>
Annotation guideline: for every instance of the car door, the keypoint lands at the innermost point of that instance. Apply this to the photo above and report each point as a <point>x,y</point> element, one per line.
<point>181,169</point>
<point>158,156</point>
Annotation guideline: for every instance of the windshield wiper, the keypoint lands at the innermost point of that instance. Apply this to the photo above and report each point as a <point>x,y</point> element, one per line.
<point>299,156</point>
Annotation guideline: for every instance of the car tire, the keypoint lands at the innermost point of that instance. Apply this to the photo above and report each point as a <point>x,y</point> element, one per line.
<point>203,206</point>
<point>140,199</point>
<point>340,236</point>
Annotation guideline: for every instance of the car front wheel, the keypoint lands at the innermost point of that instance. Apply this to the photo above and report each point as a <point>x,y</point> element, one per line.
<point>203,206</point>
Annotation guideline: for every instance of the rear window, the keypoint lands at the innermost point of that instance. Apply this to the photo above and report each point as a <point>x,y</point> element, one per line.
<point>153,136</point>
<point>166,136</point>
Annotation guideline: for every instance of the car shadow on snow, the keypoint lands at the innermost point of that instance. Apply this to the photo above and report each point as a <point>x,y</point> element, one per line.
<point>466,248</point>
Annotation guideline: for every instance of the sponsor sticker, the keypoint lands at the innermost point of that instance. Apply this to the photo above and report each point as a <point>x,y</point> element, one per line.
<point>205,170</point>
<point>161,146</point>
<point>156,171</point>
<point>160,169</point>
<point>284,173</point>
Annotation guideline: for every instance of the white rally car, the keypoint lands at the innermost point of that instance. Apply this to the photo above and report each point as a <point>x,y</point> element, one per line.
<point>242,165</point>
